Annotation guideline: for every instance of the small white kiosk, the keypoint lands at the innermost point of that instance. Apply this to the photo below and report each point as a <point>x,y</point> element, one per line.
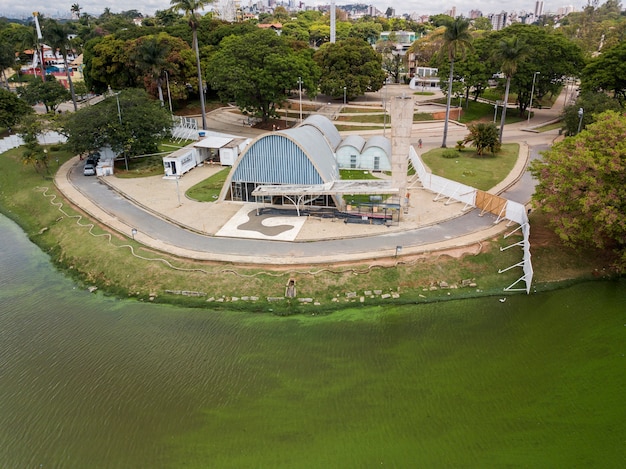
<point>222,149</point>
<point>181,161</point>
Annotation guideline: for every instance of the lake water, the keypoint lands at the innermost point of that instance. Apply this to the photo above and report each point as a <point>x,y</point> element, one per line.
<point>88,381</point>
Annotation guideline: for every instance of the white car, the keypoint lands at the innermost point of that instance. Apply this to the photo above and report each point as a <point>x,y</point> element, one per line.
<point>89,169</point>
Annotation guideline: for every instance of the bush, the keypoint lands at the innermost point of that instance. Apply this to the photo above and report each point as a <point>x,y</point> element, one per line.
<point>450,154</point>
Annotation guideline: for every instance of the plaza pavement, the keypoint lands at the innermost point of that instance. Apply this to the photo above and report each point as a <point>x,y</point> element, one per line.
<point>292,240</point>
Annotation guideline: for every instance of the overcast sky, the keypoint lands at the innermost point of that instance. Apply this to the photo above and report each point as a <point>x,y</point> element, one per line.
<point>148,7</point>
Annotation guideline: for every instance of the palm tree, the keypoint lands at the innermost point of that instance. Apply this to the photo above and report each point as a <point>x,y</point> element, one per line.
<point>191,7</point>
<point>151,58</point>
<point>456,40</point>
<point>75,10</point>
<point>510,52</point>
<point>56,36</point>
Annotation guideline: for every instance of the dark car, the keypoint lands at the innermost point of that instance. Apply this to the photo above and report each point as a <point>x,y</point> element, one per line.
<point>93,158</point>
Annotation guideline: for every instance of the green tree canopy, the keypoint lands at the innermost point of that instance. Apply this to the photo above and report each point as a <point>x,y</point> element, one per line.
<point>49,92</point>
<point>351,63</point>
<point>582,186</point>
<point>135,129</point>
<point>607,73</point>
<point>12,108</point>
<point>565,60</point>
<point>257,70</point>
<point>592,104</point>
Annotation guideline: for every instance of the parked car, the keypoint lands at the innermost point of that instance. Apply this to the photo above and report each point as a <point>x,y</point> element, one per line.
<point>93,158</point>
<point>89,169</point>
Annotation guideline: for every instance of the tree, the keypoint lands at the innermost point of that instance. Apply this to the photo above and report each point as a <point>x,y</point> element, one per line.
<point>366,30</point>
<point>456,40</point>
<point>257,69</point>
<point>133,128</point>
<point>352,64</point>
<point>509,53</point>
<point>191,7</point>
<point>56,35</point>
<point>75,11</point>
<point>12,108</point>
<point>566,60</point>
<point>607,73</point>
<point>106,63</point>
<point>592,104</point>
<point>49,92</point>
<point>482,23</point>
<point>582,186</point>
<point>484,136</point>
<point>150,56</point>
<point>31,127</point>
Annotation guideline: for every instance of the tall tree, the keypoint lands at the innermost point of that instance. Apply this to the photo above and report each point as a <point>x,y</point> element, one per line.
<point>510,52</point>
<point>607,73</point>
<point>190,8</point>
<point>75,11</point>
<point>129,121</point>
<point>352,64</point>
<point>56,35</point>
<point>150,56</point>
<point>456,41</point>
<point>49,92</point>
<point>582,186</point>
<point>257,69</point>
<point>12,108</point>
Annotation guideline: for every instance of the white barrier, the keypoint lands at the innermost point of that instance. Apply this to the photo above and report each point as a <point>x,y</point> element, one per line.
<point>444,188</point>
<point>513,211</point>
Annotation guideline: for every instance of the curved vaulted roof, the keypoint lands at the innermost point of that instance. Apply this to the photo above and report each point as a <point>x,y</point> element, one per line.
<point>379,141</point>
<point>295,156</point>
<point>355,141</point>
<point>326,127</point>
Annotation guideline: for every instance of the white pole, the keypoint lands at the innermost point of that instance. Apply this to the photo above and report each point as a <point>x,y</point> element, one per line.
<point>300,90</point>
<point>532,91</point>
<point>169,96</point>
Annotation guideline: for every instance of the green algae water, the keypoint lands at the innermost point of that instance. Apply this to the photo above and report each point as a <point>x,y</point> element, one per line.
<point>93,382</point>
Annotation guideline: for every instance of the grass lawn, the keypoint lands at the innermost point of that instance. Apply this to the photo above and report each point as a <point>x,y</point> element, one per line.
<point>209,189</point>
<point>367,118</point>
<point>547,128</point>
<point>360,110</point>
<point>481,172</point>
<point>352,174</point>
<point>342,128</point>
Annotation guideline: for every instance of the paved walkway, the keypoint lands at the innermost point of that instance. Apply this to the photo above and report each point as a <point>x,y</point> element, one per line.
<point>217,231</point>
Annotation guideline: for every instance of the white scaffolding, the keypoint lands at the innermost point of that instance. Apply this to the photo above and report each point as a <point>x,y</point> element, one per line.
<point>185,128</point>
<point>512,211</point>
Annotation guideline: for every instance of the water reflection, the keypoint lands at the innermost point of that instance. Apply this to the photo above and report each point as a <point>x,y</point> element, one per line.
<point>89,381</point>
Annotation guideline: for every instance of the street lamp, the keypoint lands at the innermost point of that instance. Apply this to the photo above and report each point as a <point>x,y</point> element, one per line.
<point>344,95</point>
<point>495,112</point>
<point>300,91</point>
<point>178,190</point>
<point>133,232</point>
<point>581,112</point>
<point>532,91</point>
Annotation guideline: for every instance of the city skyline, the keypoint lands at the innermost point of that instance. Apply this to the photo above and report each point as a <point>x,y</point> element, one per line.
<point>148,7</point>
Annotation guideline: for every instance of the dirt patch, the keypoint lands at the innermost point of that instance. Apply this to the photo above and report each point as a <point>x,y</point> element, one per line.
<point>272,124</point>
